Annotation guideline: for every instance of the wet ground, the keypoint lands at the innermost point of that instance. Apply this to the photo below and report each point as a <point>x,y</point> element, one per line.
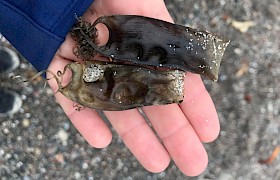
<point>40,142</point>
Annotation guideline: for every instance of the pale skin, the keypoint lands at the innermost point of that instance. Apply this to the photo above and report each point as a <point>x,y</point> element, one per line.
<point>181,128</point>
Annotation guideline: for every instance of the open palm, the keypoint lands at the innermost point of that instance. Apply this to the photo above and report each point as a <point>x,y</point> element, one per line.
<point>181,128</point>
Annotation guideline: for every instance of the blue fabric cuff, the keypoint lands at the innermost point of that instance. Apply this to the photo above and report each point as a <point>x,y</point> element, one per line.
<point>36,43</point>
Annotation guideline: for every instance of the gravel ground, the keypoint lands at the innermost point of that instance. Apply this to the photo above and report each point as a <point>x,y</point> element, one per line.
<point>40,142</point>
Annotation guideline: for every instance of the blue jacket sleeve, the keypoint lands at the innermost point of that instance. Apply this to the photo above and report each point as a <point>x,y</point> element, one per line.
<point>37,28</point>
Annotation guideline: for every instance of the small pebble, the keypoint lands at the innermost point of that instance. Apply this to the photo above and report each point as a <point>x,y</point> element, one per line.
<point>62,135</point>
<point>25,122</point>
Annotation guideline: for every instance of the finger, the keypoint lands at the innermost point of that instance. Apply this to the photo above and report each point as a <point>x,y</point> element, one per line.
<point>87,121</point>
<point>140,139</point>
<point>102,30</point>
<point>179,138</point>
<point>66,49</point>
<point>199,109</point>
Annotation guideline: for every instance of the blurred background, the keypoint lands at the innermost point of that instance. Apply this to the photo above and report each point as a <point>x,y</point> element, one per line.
<point>40,142</point>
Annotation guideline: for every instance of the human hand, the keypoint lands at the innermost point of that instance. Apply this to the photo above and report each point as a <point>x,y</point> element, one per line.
<point>181,128</point>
